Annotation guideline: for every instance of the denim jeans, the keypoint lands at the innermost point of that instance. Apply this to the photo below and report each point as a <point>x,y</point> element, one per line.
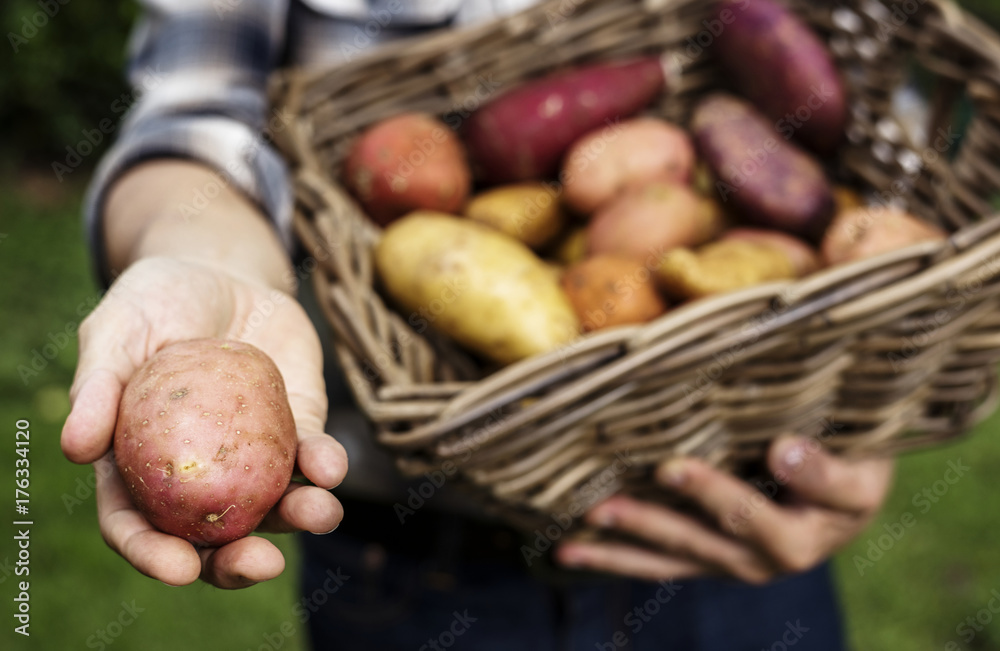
<point>443,581</point>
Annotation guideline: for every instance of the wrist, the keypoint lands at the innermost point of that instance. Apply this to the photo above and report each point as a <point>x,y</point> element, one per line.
<point>151,211</point>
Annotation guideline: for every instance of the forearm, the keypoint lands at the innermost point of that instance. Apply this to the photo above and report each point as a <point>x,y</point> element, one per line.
<point>150,212</point>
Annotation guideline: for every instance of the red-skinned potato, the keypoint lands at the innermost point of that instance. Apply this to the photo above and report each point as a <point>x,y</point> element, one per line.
<point>868,231</point>
<point>607,161</point>
<point>781,65</point>
<point>608,291</point>
<point>408,162</point>
<point>205,439</point>
<point>769,181</point>
<point>651,220</point>
<point>805,259</point>
<point>523,134</point>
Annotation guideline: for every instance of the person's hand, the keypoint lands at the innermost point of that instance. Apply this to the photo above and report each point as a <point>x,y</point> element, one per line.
<point>828,501</point>
<point>159,301</point>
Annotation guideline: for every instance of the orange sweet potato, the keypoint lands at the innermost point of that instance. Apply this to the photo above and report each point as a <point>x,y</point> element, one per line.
<point>607,291</point>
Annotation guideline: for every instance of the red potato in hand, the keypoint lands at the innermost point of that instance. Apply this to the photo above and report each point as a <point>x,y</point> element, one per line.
<point>869,231</point>
<point>613,159</point>
<point>409,162</point>
<point>205,440</point>
<point>524,134</point>
<point>651,220</point>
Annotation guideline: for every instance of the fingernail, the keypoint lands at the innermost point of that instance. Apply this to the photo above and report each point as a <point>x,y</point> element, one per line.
<point>169,585</point>
<point>674,473</point>
<point>794,454</point>
<point>323,533</point>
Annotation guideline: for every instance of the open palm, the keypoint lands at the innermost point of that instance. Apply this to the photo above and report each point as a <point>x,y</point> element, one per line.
<point>160,301</point>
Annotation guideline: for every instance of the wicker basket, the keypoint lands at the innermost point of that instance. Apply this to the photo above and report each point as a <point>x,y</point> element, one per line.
<point>876,357</point>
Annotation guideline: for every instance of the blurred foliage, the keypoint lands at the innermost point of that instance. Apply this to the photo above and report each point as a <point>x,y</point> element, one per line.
<point>60,73</point>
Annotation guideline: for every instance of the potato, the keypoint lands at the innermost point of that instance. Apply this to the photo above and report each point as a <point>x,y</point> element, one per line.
<point>570,247</point>
<point>523,134</point>
<point>405,163</point>
<point>608,291</point>
<point>776,61</point>
<point>721,266</point>
<point>844,198</point>
<point>205,441</point>
<point>805,260</point>
<point>607,161</point>
<point>655,218</point>
<point>868,231</point>
<point>530,212</point>
<point>702,181</point>
<point>484,289</point>
<point>770,182</point>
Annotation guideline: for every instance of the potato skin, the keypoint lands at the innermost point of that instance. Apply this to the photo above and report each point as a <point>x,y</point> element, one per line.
<point>605,162</point>
<point>770,182</point>
<point>524,133</point>
<point>871,230</point>
<point>722,266</point>
<point>805,260</point>
<point>608,291</point>
<point>405,163</point>
<point>205,440</point>
<point>780,64</point>
<point>653,219</point>
<point>570,247</point>
<point>529,212</point>
<point>484,289</point>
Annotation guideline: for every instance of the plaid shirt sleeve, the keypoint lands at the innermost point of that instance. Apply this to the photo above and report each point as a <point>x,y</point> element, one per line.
<point>199,72</point>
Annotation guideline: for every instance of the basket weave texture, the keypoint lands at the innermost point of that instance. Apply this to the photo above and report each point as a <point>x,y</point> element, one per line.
<point>875,357</point>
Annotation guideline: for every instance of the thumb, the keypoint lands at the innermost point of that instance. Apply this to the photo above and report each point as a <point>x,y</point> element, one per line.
<point>812,474</point>
<point>103,369</point>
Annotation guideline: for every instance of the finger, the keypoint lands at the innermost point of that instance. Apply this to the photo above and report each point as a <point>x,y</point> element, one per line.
<point>733,503</point>
<point>681,536</point>
<point>618,558</point>
<point>814,475</point>
<point>322,459</point>
<point>241,563</point>
<point>104,367</point>
<point>158,555</point>
<point>787,537</point>
<point>308,408</point>
<point>90,426</point>
<point>304,508</point>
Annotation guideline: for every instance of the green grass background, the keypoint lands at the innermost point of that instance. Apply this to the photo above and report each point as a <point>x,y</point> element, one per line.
<point>939,573</point>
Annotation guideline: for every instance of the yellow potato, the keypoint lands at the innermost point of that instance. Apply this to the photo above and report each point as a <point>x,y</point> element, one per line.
<point>530,212</point>
<point>484,289</point>
<point>571,247</point>
<point>721,266</point>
